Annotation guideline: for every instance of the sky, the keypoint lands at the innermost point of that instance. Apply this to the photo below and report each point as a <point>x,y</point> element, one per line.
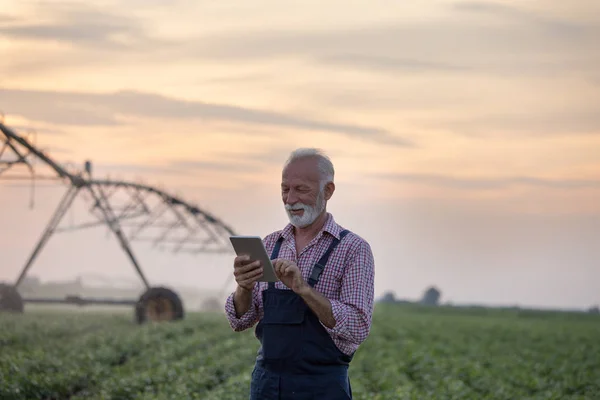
<point>465,134</point>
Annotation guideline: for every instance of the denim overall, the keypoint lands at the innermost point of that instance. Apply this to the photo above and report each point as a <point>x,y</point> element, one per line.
<point>297,359</point>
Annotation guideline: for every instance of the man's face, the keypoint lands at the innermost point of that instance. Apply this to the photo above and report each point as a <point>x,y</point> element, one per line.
<point>300,191</point>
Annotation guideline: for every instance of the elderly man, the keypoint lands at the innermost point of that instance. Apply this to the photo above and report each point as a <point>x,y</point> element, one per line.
<point>312,321</point>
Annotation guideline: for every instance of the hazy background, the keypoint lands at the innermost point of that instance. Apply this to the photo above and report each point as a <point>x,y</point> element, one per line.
<point>465,135</point>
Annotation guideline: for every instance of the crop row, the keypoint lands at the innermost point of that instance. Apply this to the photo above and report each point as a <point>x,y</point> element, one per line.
<point>412,353</point>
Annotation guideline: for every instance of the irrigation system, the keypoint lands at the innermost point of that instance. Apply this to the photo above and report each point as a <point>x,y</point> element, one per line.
<point>148,213</point>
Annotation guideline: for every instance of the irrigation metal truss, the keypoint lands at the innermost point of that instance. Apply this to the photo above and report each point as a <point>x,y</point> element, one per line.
<point>149,214</point>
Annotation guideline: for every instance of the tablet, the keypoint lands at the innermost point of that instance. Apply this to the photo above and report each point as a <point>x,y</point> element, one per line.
<point>254,247</point>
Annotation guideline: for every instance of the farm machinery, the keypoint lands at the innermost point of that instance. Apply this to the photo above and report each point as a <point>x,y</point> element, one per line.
<point>148,213</point>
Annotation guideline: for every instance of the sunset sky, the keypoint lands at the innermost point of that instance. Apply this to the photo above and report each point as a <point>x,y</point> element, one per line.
<point>465,135</point>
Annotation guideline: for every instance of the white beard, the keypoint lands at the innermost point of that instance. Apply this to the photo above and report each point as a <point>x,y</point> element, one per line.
<point>310,213</point>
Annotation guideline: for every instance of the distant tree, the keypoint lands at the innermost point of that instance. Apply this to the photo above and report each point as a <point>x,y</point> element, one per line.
<point>388,297</point>
<point>431,296</point>
<point>594,310</point>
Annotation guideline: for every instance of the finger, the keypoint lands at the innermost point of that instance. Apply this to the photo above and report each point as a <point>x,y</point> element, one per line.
<point>250,266</point>
<point>288,270</point>
<point>249,285</point>
<point>240,260</point>
<point>247,268</point>
<point>250,275</point>
<point>250,281</point>
<point>280,267</point>
<point>238,272</point>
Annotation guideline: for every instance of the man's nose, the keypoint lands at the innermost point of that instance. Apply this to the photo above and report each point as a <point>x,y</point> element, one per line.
<point>291,198</point>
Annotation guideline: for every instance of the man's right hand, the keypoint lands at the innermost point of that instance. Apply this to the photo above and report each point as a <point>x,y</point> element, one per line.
<point>246,272</point>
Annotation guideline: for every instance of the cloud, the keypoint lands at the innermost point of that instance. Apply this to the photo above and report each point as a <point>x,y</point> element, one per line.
<point>23,129</point>
<point>246,162</point>
<point>378,99</point>
<point>518,15</point>
<point>490,183</point>
<point>584,121</point>
<point>56,150</point>
<point>79,108</point>
<point>74,36</point>
<point>183,167</point>
<point>78,25</point>
<point>6,18</point>
<point>239,165</point>
<point>59,108</point>
<point>520,42</point>
<point>389,64</point>
<point>454,43</point>
<point>237,79</point>
<point>138,168</point>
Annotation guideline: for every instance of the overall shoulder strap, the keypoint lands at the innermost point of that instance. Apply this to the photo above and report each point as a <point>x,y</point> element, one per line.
<point>274,255</point>
<point>275,252</point>
<point>320,265</point>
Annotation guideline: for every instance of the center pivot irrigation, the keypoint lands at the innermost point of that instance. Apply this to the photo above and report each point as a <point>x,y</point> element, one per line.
<point>147,213</point>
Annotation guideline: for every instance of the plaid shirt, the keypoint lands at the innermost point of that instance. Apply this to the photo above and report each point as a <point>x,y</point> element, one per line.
<point>347,281</point>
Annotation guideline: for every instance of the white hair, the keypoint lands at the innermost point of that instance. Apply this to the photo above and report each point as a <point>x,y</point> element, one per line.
<point>325,165</point>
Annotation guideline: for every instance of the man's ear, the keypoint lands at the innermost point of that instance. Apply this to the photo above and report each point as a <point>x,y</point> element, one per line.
<point>329,189</point>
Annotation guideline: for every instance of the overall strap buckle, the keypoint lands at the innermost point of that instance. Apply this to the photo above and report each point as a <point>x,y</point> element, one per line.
<point>320,265</point>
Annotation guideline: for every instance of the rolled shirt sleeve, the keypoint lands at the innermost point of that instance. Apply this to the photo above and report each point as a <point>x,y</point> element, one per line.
<point>248,319</point>
<point>353,310</point>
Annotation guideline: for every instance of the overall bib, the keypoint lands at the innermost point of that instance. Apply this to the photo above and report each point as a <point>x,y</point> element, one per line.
<point>297,359</point>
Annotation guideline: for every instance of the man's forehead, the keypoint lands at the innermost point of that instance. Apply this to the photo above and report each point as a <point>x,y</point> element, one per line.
<point>303,169</point>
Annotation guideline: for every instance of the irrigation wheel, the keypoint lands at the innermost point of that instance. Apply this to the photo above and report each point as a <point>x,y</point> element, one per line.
<point>10,299</point>
<point>159,304</point>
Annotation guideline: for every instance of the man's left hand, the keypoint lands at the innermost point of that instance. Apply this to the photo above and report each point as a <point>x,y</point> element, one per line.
<point>289,273</point>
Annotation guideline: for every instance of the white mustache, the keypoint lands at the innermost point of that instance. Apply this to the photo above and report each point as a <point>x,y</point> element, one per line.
<point>296,207</point>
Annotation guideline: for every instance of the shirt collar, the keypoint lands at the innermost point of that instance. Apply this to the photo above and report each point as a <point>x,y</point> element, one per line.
<point>330,227</point>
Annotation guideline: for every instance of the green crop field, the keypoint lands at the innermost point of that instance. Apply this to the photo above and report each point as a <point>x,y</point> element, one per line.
<point>412,353</point>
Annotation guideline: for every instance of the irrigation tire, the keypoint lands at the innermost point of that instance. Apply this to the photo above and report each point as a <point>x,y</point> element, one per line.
<point>10,299</point>
<point>159,304</point>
